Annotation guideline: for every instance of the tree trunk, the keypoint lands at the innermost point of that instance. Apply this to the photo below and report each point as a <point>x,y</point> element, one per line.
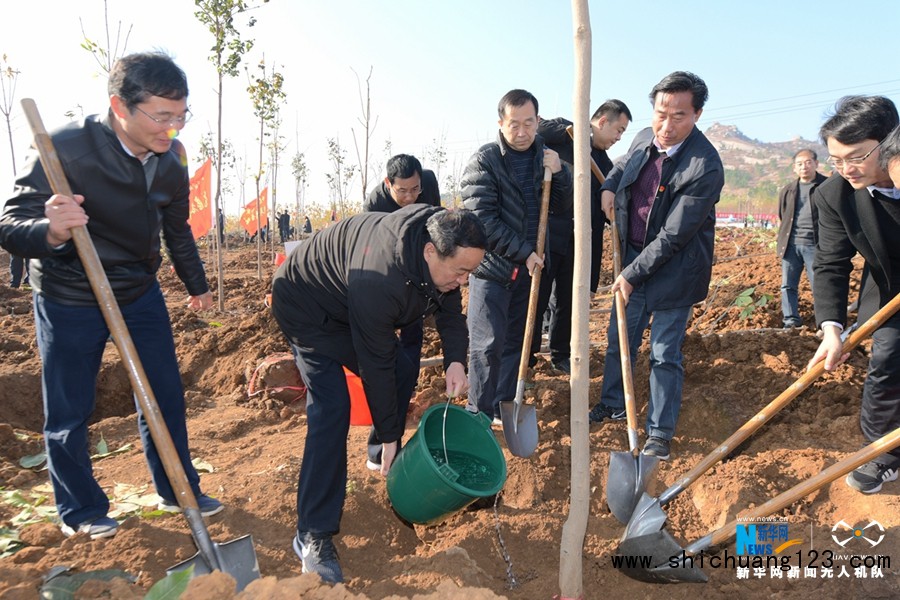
<point>218,235</point>
<point>259,174</point>
<point>572,543</point>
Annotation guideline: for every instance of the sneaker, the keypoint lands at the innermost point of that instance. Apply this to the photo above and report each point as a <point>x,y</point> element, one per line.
<point>562,364</point>
<point>209,506</point>
<point>318,555</point>
<point>656,446</point>
<point>497,423</point>
<point>373,466</point>
<point>869,477</point>
<point>601,412</point>
<point>103,527</point>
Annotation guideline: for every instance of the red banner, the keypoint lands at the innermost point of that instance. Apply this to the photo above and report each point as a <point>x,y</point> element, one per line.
<point>248,219</point>
<point>200,218</point>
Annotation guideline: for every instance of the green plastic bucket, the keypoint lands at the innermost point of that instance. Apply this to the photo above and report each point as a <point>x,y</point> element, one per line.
<point>427,484</point>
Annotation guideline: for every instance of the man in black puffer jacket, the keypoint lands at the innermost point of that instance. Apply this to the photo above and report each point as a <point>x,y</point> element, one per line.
<point>502,184</point>
<point>339,298</point>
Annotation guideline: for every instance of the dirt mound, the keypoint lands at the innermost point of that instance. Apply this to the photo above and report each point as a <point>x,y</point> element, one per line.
<point>736,361</point>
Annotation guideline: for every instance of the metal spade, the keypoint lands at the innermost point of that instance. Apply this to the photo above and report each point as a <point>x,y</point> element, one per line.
<point>656,557</point>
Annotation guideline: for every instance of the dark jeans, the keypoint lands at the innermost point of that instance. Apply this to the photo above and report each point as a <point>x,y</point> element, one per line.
<point>796,257</point>
<point>322,483</point>
<point>496,318</point>
<point>880,413</point>
<point>555,298</point>
<point>71,340</point>
<point>17,269</point>
<point>667,330</point>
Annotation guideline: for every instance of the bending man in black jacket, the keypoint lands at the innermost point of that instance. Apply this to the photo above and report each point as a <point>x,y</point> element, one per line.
<point>859,212</point>
<point>130,182</point>
<point>339,298</point>
<point>664,193</point>
<point>608,123</point>
<point>502,184</point>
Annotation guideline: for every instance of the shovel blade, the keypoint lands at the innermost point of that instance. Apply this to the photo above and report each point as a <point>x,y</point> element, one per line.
<point>627,481</point>
<point>237,557</point>
<point>657,558</point>
<point>648,517</point>
<point>519,427</point>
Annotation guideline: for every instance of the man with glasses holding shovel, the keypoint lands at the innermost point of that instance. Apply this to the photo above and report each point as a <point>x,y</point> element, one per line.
<point>131,184</point>
<point>860,212</point>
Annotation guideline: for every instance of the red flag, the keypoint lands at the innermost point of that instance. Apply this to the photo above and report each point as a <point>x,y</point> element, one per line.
<point>200,218</point>
<point>248,219</point>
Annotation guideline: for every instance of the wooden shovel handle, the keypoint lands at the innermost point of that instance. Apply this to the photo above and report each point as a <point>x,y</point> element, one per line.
<point>803,489</point>
<point>783,399</point>
<point>621,321</point>
<point>111,313</point>
<point>594,168</point>
<point>535,277</point>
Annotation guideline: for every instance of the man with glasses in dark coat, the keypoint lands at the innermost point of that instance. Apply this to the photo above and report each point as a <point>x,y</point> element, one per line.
<point>859,212</point>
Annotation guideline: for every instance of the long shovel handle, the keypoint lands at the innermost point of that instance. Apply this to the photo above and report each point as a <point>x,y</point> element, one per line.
<point>801,490</point>
<point>594,168</point>
<point>785,398</point>
<point>116,323</point>
<point>621,322</point>
<point>624,350</point>
<point>535,285</point>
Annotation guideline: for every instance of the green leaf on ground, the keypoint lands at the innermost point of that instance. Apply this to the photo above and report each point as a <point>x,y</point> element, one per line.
<point>33,461</point>
<point>107,452</point>
<point>172,586</point>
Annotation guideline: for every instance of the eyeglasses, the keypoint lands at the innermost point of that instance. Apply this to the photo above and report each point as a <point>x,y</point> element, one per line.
<point>840,163</point>
<point>167,119</point>
<point>413,191</point>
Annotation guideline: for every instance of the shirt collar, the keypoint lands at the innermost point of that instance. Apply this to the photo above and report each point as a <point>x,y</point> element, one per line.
<point>144,160</point>
<point>891,193</point>
<point>670,152</point>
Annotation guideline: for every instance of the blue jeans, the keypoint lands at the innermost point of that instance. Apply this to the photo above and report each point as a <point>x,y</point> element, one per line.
<point>667,330</point>
<point>496,318</point>
<point>796,256</point>
<point>71,340</point>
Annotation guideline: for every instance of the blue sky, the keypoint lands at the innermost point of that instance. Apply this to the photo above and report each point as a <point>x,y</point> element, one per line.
<point>773,68</point>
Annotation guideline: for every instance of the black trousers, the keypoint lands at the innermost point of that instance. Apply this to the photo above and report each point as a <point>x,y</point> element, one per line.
<point>880,412</point>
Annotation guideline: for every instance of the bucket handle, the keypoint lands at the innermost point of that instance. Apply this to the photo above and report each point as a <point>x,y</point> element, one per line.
<point>445,469</point>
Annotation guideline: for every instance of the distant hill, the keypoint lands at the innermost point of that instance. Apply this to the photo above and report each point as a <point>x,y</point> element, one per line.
<point>755,171</point>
